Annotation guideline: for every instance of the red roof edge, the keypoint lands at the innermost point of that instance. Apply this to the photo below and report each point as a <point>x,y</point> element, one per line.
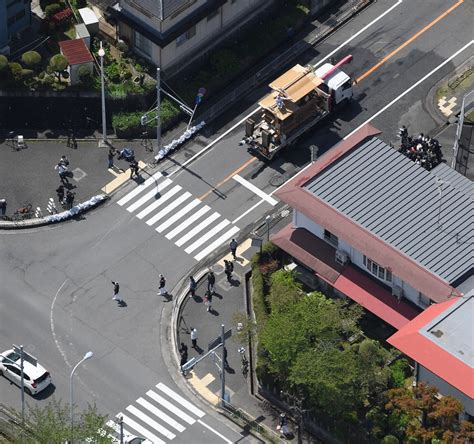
<point>436,359</point>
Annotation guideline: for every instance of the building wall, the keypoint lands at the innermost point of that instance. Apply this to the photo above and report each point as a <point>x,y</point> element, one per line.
<point>357,258</point>
<point>445,388</point>
<point>201,36</point>
<point>15,16</point>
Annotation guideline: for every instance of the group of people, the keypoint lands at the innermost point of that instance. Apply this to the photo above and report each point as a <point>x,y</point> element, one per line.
<point>422,149</point>
<point>65,196</point>
<point>129,155</point>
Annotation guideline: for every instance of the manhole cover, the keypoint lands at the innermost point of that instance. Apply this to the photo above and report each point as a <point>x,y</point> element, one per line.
<point>279,179</point>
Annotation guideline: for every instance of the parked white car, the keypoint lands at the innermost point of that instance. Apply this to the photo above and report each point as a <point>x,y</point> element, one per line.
<point>36,378</point>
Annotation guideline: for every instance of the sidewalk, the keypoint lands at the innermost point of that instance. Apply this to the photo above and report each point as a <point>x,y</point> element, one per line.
<point>228,303</point>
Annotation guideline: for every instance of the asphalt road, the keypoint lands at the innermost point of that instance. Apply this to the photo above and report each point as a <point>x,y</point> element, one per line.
<point>56,281</point>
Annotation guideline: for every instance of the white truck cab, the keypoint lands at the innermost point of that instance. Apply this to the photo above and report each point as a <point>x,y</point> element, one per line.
<point>338,82</point>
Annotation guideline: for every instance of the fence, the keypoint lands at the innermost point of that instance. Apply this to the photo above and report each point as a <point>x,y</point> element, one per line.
<point>249,423</point>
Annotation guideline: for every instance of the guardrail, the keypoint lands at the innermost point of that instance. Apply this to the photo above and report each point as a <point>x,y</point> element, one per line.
<point>247,421</point>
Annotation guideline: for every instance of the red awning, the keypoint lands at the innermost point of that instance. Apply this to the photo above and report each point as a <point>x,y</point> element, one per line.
<point>374,298</point>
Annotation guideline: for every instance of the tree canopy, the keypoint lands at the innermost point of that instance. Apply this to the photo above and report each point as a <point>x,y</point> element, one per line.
<point>31,58</point>
<point>57,64</point>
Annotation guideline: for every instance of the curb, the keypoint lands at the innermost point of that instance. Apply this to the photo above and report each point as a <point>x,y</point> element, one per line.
<point>39,222</point>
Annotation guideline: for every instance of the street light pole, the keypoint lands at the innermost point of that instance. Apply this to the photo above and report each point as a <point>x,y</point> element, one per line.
<point>158,110</point>
<point>101,54</point>
<point>88,355</point>
<point>267,221</point>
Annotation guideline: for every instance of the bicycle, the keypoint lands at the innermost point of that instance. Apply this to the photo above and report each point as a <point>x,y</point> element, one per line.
<point>244,362</point>
<point>25,212</point>
<point>146,142</point>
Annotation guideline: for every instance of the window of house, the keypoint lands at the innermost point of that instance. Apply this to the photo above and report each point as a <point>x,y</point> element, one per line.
<point>142,44</point>
<point>189,34</point>
<point>213,13</point>
<point>377,270</point>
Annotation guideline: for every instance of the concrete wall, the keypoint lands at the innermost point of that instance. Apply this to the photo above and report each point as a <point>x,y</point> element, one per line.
<point>356,257</point>
<point>445,388</point>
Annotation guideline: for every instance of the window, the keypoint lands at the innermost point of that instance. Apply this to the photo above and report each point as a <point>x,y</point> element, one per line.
<point>331,238</point>
<point>377,270</point>
<point>142,44</point>
<point>189,34</point>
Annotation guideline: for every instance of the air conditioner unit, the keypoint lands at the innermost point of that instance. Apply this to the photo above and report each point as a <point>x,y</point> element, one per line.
<point>397,291</point>
<point>341,257</point>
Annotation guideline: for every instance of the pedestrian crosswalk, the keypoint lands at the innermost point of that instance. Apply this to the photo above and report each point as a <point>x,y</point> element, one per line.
<point>159,415</point>
<point>179,216</point>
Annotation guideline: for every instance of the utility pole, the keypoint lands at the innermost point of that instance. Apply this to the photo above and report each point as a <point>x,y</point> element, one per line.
<point>223,366</point>
<point>158,110</point>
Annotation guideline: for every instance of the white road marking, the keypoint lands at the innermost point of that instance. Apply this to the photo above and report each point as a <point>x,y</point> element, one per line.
<point>250,186</point>
<point>357,33</point>
<point>169,208</point>
<point>213,231</point>
<point>180,400</point>
<point>215,431</point>
<point>197,229</point>
<point>248,211</point>
<point>199,153</point>
<point>141,430</point>
<point>113,425</point>
<point>139,188</point>
<point>150,422</point>
<point>188,222</point>
<point>166,404</point>
<point>170,221</point>
<point>159,188</point>
<point>51,322</point>
<point>160,414</point>
<point>218,242</point>
<point>159,202</point>
<point>411,88</point>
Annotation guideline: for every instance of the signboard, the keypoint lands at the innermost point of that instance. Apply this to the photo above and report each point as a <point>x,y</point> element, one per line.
<point>26,356</point>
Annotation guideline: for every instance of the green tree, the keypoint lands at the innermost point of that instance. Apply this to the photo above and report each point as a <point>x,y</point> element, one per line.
<point>84,75</point>
<point>31,59</point>
<point>57,64</point>
<point>3,64</point>
<point>51,424</point>
<point>284,290</point>
<point>16,70</point>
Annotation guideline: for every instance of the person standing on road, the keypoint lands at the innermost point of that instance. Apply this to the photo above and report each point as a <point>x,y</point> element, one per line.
<point>162,286</point>
<point>211,281</point>
<point>192,287</point>
<point>64,161</point>
<point>194,336</point>
<point>111,156</point>
<point>228,268</point>
<point>233,248</point>
<point>134,169</point>
<point>208,300</point>
<point>62,172</point>
<point>60,193</point>
<point>116,296</point>
<point>69,199</point>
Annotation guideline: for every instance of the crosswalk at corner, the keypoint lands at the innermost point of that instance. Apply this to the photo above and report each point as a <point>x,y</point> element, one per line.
<point>158,416</point>
<point>179,216</point>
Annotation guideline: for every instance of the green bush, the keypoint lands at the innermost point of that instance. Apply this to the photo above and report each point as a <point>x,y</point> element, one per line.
<point>84,75</point>
<point>225,62</point>
<point>31,58</point>
<point>3,63</point>
<point>27,74</point>
<point>390,439</point>
<point>15,69</point>
<point>50,10</point>
<point>400,371</point>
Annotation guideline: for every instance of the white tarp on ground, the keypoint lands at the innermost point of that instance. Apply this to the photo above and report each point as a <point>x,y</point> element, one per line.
<point>76,209</point>
<point>177,142</point>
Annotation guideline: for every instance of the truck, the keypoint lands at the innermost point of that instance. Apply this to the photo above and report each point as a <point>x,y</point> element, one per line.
<point>299,99</point>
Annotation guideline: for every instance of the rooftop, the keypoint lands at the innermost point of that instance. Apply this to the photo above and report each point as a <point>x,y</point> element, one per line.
<point>408,207</point>
<point>75,51</point>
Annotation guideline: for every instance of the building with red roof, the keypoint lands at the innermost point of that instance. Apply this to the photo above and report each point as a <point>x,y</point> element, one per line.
<point>77,54</point>
<point>375,227</point>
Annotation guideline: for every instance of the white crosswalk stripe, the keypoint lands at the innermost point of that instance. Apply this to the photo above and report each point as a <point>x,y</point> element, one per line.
<point>150,421</point>
<point>178,216</point>
<point>152,415</point>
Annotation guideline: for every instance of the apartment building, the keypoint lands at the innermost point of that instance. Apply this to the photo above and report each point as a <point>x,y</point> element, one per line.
<point>15,17</point>
<point>173,33</point>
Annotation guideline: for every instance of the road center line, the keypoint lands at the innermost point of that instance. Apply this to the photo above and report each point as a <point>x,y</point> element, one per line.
<point>411,39</point>
<point>215,431</point>
<point>250,186</point>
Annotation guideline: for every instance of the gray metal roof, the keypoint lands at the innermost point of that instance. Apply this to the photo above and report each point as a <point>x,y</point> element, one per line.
<point>452,330</point>
<point>401,203</point>
<point>160,8</point>
<point>457,180</point>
